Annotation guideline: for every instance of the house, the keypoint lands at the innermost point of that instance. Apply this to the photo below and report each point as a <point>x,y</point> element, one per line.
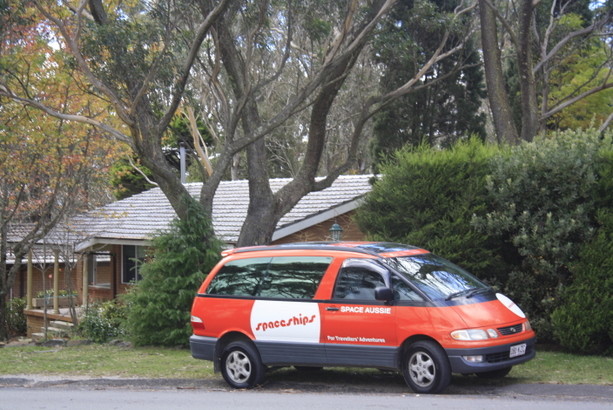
<point>108,241</point>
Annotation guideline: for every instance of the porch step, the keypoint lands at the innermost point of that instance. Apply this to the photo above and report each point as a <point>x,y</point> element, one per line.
<point>38,337</point>
<point>57,330</point>
<point>61,325</point>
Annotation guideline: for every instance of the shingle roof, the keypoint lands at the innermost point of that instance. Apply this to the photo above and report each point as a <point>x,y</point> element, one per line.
<point>143,215</point>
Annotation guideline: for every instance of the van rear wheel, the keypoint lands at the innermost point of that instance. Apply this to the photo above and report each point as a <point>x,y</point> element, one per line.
<point>425,367</point>
<point>241,366</point>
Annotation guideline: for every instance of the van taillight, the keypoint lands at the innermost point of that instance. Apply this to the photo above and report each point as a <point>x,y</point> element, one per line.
<point>197,323</point>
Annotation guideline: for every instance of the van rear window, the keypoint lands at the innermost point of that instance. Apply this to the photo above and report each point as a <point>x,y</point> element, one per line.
<point>274,278</point>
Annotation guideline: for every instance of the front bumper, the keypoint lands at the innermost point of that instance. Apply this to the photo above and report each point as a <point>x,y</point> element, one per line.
<point>495,358</point>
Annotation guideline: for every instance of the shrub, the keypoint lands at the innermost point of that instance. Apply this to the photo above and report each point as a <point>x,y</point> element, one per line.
<point>49,293</point>
<point>584,320</point>
<point>103,322</point>
<point>541,204</point>
<point>17,324</point>
<point>426,197</point>
<point>160,304</point>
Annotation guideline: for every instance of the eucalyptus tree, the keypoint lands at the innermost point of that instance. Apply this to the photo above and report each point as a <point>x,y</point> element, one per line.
<point>257,70</point>
<point>537,37</point>
<point>292,67</point>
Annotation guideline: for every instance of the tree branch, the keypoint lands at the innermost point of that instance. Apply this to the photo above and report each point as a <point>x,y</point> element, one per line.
<point>68,117</point>
<point>571,101</point>
<point>198,141</point>
<point>181,80</point>
<point>140,171</point>
<point>503,21</point>
<point>72,43</point>
<point>596,25</point>
<point>605,124</point>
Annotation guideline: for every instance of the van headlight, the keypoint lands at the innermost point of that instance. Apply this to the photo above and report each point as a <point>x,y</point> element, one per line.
<point>474,334</point>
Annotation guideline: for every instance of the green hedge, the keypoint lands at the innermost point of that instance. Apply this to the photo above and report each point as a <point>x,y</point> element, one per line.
<point>541,203</point>
<point>583,322</point>
<point>427,197</point>
<point>517,217</point>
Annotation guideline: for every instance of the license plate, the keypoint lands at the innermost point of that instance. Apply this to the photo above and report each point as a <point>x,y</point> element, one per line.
<point>518,350</point>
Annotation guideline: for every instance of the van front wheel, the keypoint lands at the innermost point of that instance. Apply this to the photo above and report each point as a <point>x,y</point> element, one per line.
<point>241,365</point>
<point>425,368</point>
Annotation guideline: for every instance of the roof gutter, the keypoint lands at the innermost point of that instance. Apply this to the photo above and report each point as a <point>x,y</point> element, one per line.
<point>89,243</point>
<point>315,219</point>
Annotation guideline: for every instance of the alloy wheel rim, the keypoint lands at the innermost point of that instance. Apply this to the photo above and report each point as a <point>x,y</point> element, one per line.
<point>238,366</point>
<point>422,369</point>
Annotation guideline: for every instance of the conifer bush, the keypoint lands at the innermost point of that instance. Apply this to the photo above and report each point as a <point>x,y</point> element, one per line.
<point>159,305</point>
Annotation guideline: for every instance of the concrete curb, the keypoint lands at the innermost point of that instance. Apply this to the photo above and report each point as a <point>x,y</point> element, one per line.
<point>557,391</point>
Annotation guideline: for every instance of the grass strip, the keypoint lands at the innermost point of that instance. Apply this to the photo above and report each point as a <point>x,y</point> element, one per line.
<point>154,362</point>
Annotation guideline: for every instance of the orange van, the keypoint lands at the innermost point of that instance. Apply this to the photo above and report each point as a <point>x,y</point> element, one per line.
<point>368,304</point>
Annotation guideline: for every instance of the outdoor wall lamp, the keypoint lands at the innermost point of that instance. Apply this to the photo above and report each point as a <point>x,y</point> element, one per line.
<point>336,232</point>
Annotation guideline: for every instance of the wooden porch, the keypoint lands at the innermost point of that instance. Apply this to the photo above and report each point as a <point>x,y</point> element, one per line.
<point>58,325</point>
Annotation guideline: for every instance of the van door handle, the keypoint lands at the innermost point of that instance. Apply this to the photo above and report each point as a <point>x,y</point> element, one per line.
<point>332,308</point>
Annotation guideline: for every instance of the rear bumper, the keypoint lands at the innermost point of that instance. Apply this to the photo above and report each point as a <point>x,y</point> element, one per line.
<point>202,347</point>
<point>494,358</point>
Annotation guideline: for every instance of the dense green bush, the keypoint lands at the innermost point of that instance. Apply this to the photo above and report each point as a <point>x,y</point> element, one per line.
<point>584,320</point>
<point>427,197</point>
<point>16,318</point>
<point>515,216</point>
<point>160,304</point>
<point>541,204</point>
<point>103,322</point>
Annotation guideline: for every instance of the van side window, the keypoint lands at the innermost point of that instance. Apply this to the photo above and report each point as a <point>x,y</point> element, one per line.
<point>293,277</point>
<point>239,277</point>
<point>357,283</point>
<point>275,278</point>
<point>402,291</point>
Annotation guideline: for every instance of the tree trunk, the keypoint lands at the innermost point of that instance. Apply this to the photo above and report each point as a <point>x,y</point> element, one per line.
<point>260,222</point>
<point>529,105</point>
<point>502,114</point>
<point>266,209</point>
<point>147,141</point>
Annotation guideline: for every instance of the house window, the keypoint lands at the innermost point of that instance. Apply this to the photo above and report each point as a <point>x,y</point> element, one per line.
<point>91,268</point>
<point>132,257</point>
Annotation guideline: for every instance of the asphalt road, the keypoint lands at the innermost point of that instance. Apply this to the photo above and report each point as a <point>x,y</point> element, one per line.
<point>388,391</point>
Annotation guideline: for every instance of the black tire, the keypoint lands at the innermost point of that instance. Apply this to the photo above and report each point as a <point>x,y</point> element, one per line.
<point>425,367</point>
<point>241,365</point>
<point>495,374</point>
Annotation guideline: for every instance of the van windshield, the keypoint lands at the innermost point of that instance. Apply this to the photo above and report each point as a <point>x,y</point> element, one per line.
<point>436,277</point>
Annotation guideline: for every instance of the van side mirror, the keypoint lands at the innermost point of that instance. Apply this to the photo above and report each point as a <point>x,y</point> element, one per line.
<point>384,293</point>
